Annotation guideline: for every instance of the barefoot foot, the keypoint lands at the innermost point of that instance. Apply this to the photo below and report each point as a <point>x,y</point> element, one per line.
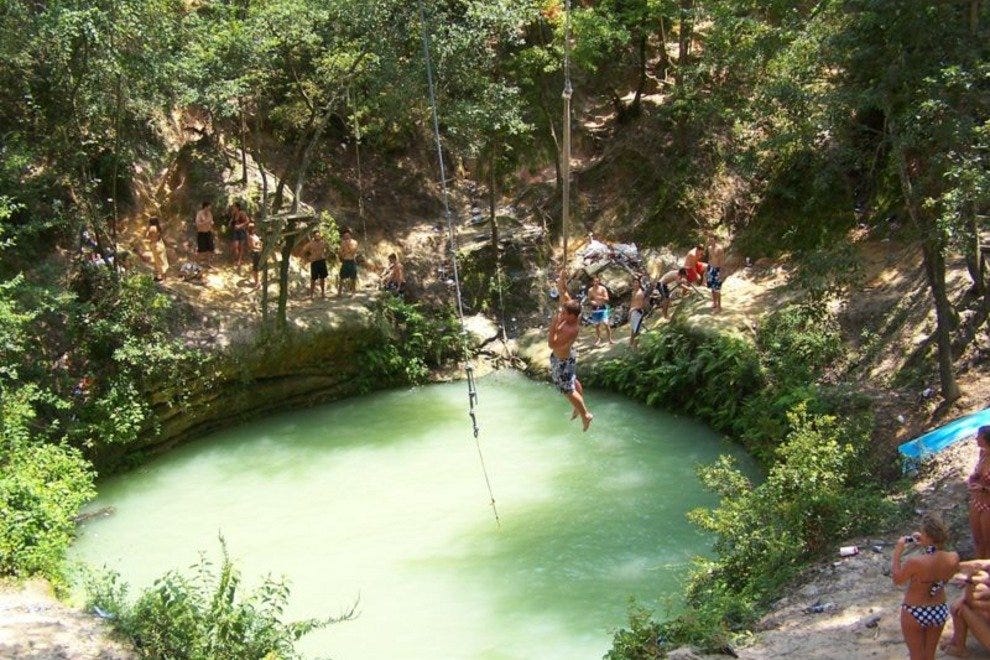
<point>586,420</point>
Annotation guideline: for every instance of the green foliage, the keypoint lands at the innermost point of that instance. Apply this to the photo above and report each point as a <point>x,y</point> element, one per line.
<point>124,334</point>
<point>42,484</point>
<point>416,339</point>
<point>689,370</point>
<point>42,487</point>
<point>798,342</point>
<point>641,640</point>
<point>204,616</point>
<point>817,491</point>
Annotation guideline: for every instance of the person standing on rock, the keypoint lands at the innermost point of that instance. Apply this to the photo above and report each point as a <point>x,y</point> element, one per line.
<point>205,243</point>
<point>394,278</point>
<point>663,287</point>
<point>563,331</point>
<point>924,612</point>
<point>315,253</point>
<point>978,484</point>
<point>713,276</point>
<point>694,267</point>
<point>348,262</point>
<point>636,312</point>
<point>598,299</point>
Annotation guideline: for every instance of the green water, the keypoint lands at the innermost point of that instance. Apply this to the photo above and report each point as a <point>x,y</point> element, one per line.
<point>382,498</point>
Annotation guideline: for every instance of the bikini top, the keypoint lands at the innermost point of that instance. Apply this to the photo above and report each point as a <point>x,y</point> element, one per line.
<point>938,585</point>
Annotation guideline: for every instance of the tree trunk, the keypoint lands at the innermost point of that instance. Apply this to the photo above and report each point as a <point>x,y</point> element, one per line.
<point>558,170</point>
<point>663,66</point>
<point>972,252</point>
<point>641,87</point>
<point>283,275</point>
<point>244,172</point>
<point>934,261</point>
<point>684,32</point>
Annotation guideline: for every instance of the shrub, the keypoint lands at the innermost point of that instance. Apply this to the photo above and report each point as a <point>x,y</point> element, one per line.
<point>416,339</point>
<point>688,370</point>
<point>798,342</point>
<point>203,616</point>
<point>42,487</point>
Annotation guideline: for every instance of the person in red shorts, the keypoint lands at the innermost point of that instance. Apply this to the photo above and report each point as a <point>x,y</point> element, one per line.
<point>693,264</point>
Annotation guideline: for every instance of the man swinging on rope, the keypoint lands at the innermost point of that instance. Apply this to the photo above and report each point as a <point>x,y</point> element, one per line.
<point>563,332</point>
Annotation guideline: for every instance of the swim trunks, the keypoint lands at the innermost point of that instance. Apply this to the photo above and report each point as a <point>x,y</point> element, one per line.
<point>204,242</point>
<point>664,291</point>
<point>318,270</point>
<point>348,270</point>
<point>240,235</point>
<point>714,278</point>
<point>255,261</point>
<point>563,373</point>
<point>695,274</point>
<point>636,320</point>
<point>599,315</point>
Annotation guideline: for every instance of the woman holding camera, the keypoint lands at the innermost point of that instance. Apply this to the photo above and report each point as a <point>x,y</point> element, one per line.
<point>924,612</point>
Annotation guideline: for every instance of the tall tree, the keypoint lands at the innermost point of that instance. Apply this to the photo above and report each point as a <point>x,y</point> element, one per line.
<point>905,62</point>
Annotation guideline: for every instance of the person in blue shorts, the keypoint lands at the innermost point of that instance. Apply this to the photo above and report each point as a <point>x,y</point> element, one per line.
<point>598,300</point>
<point>713,277</point>
<point>637,311</point>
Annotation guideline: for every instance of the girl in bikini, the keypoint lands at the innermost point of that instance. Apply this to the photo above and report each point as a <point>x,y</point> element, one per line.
<point>924,612</point>
<point>979,496</point>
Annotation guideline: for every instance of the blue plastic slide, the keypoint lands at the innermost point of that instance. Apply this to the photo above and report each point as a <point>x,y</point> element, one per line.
<point>943,436</point>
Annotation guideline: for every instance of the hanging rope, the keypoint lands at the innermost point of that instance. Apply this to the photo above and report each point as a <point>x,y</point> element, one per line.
<point>566,158</point>
<point>357,154</point>
<point>468,369</point>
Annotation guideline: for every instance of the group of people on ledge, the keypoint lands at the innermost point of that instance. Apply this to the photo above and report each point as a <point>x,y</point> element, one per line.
<point>925,609</point>
<point>565,326</point>
<point>694,269</point>
<point>245,243</point>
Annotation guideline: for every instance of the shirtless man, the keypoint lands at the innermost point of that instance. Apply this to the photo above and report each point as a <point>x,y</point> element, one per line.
<point>564,328</point>
<point>664,284</point>
<point>598,299</point>
<point>693,265</point>
<point>316,253</point>
<point>637,309</point>
<point>348,262</point>
<point>205,245</point>
<point>716,259</point>
<point>394,276</point>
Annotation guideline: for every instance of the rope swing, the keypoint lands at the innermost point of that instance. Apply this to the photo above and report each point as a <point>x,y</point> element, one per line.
<point>468,369</point>
<point>566,157</point>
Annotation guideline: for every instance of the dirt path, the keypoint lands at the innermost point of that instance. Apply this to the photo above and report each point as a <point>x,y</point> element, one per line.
<point>35,625</point>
